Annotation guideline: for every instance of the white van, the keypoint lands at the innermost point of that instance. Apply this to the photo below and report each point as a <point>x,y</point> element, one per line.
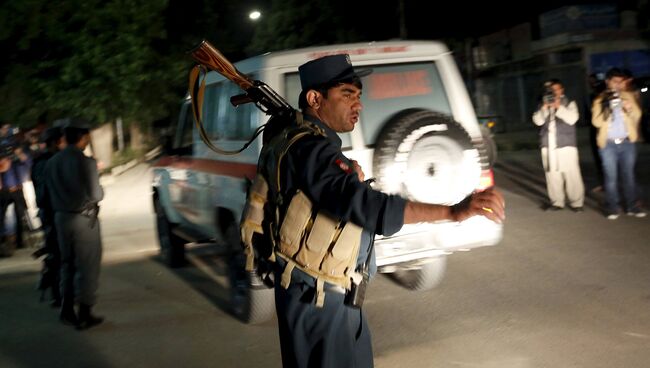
<point>418,136</point>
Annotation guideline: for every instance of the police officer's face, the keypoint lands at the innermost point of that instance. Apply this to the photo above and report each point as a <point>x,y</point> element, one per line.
<point>341,109</point>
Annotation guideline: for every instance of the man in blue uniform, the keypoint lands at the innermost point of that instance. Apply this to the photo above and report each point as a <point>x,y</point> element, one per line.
<point>74,191</point>
<point>335,334</point>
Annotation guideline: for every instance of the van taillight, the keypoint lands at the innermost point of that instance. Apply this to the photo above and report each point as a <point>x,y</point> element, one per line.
<point>487,180</point>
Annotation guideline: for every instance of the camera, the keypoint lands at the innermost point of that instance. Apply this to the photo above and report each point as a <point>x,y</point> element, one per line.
<point>549,95</point>
<point>614,99</point>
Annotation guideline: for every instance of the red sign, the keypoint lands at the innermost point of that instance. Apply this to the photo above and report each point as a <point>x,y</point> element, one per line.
<point>398,84</point>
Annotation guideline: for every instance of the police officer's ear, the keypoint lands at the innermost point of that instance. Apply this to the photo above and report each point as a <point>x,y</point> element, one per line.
<point>313,98</point>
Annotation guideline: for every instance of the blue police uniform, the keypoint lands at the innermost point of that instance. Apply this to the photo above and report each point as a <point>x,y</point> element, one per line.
<point>73,185</point>
<point>334,335</point>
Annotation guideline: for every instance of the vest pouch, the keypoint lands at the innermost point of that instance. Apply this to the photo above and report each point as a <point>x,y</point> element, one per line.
<point>320,237</point>
<point>342,257</point>
<point>253,213</point>
<point>294,224</point>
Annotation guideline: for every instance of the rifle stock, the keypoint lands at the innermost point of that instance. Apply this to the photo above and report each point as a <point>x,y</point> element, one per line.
<point>208,55</point>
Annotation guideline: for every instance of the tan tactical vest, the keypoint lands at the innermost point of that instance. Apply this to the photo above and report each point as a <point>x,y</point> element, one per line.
<point>309,240</point>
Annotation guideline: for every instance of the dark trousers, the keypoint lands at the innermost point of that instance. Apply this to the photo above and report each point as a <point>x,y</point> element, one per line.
<point>335,335</point>
<point>81,254</point>
<point>18,199</point>
<point>50,275</point>
<point>619,161</point>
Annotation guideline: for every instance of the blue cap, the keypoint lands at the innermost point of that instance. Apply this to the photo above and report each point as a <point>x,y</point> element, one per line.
<point>73,122</point>
<point>51,134</point>
<point>328,69</point>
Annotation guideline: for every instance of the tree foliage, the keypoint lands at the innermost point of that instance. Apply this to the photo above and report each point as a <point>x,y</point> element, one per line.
<point>92,58</point>
<point>103,59</point>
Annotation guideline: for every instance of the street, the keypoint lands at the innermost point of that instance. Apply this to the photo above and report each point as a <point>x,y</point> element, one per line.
<point>563,289</point>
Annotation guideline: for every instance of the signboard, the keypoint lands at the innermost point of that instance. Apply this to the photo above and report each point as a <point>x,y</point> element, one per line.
<point>578,18</point>
<point>636,61</point>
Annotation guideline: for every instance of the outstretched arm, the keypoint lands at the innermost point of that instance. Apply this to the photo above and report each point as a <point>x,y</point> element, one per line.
<point>489,203</point>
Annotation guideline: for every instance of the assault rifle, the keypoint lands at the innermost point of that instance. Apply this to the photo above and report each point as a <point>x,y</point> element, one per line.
<point>255,91</point>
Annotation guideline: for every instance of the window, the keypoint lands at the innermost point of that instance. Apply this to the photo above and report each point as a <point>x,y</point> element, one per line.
<point>393,88</point>
<point>221,119</point>
<point>184,136</point>
<point>387,91</point>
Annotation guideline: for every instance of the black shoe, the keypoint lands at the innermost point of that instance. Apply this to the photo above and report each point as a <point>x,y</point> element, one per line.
<point>577,209</point>
<point>553,208</point>
<point>55,303</point>
<point>68,317</point>
<point>86,318</point>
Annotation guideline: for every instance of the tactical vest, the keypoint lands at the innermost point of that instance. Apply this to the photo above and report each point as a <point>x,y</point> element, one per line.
<point>307,239</point>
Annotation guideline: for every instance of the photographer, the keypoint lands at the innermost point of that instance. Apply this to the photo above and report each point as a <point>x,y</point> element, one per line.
<point>616,115</point>
<point>557,116</point>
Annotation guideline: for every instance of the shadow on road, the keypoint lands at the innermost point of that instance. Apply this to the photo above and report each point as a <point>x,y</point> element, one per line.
<point>206,271</point>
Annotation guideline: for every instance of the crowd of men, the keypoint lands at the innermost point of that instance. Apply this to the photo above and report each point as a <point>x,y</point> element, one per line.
<point>66,191</point>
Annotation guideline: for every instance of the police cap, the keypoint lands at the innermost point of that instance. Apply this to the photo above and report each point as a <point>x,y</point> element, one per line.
<point>51,134</point>
<point>72,122</point>
<point>328,69</point>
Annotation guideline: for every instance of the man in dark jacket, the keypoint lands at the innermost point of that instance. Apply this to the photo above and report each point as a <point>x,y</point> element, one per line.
<point>73,187</point>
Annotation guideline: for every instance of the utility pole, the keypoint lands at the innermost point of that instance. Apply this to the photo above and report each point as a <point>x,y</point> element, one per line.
<point>402,19</point>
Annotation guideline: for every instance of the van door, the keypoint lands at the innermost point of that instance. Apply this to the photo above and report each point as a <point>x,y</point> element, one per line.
<point>182,185</point>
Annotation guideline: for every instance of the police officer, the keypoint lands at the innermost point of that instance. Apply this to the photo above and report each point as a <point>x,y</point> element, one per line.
<point>73,187</point>
<point>54,142</point>
<point>316,332</point>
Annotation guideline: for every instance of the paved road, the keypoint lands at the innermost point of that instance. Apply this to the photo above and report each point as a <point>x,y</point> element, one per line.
<point>562,290</point>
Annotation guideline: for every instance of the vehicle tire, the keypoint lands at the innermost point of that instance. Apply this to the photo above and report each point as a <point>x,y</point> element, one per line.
<point>428,276</point>
<point>251,300</point>
<point>427,157</point>
<point>172,247</point>
<point>489,146</point>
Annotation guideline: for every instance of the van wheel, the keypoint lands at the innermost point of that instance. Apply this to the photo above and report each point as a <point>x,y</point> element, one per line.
<point>172,247</point>
<point>489,146</point>
<point>425,278</point>
<point>250,299</point>
<point>427,157</point>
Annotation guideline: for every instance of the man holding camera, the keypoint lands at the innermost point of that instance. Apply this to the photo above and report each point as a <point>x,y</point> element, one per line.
<point>616,115</point>
<point>557,116</point>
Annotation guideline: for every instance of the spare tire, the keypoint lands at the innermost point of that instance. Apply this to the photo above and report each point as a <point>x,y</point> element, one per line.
<point>426,156</point>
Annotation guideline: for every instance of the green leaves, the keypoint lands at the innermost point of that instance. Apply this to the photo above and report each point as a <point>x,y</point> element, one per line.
<point>96,59</point>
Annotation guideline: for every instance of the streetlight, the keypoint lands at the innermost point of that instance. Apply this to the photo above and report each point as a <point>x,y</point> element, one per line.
<point>254,15</point>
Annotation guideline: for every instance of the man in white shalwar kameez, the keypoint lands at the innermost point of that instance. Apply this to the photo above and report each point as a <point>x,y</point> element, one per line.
<point>557,117</point>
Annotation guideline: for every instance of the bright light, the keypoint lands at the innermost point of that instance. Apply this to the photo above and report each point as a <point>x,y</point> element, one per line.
<point>254,15</point>
<point>644,89</point>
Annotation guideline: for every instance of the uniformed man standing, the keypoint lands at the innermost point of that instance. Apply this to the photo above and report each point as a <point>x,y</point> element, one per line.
<point>73,186</point>
<point>323,213</point>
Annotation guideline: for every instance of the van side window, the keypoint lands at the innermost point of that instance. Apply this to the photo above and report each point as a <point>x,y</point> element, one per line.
<point>184,138</point>
<point>222,120</point>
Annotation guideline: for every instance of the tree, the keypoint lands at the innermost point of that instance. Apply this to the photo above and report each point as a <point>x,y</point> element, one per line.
<point>96,59</point>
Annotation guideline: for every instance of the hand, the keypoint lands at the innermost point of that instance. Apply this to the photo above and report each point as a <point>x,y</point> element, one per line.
<point>488,203</point>
<point>357,168</point>
<point>627,105</point>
